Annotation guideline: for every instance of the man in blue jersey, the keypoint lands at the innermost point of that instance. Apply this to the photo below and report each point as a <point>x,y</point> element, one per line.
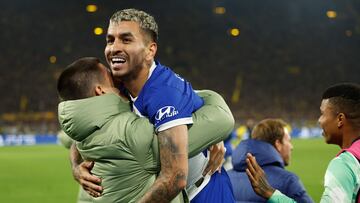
<point>168,101</point>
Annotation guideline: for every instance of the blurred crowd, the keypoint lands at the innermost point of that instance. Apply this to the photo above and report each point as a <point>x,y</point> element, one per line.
<point>286,54</point>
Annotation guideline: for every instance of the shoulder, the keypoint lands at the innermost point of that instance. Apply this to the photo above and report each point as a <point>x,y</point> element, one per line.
<point>281,178</point>
<point>138,128</point>
<point>290,185</point>
<point>341,178</point>
<point>277,172</point>
<point>164,78</point>
<point>344,170</point>
<point>294,185</point>
<point>129,128</point>
<point>166,90</point>
<point>159,89</point>
<point>138,135</point>
<point>343,162</point>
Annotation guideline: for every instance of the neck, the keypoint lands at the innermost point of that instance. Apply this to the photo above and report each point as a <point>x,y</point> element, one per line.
<point>349,137</point>
<point>135,85</point>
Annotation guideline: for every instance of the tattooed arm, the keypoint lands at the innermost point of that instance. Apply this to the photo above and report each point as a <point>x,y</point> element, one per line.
<point>174,165</point>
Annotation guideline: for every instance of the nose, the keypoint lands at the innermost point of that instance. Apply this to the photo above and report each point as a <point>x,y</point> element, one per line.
<point>116,47</point>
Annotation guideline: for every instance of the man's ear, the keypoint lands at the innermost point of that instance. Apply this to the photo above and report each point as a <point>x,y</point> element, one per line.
<point>99,90</point>
<point>278,145</point>
<point>340,119</point>
<point>151,51</point>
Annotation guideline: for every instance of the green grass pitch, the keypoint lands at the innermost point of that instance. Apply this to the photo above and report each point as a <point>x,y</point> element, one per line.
<point>33,174</point>
<point>309,161</point>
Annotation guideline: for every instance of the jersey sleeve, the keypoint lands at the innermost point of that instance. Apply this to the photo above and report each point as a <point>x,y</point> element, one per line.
<point>168,107</point>
<point>278,197</point>
<point>340,180</point>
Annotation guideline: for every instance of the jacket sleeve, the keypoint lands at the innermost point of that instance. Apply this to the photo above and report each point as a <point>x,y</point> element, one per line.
<point>297,191</point>
<point>213,122</point>
<point>142,142</point>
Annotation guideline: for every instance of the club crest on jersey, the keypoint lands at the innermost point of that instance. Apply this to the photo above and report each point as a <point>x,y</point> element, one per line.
<point>165,112</point>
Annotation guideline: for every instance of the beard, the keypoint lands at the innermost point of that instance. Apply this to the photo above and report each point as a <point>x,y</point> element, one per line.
<point>131,75</point>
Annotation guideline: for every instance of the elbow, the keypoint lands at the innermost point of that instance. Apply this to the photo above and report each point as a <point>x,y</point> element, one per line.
<point>225,116</point>
<point>176,183</point>
<point>180,180</point>
<point>231,122</point>
<point>228,123</point>
<point>180,185</point>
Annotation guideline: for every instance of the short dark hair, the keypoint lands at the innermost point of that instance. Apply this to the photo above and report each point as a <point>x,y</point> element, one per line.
<point>77,80</point>
<point>269,130</point>
<point>345,98</point>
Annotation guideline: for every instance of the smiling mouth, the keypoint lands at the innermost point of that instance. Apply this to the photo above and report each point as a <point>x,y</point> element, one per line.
<point>117,60</point>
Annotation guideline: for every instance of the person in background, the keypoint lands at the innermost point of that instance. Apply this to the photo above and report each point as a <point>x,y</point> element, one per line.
<point>271,144</point>
<point>229,150</point>
<point>340,121</point>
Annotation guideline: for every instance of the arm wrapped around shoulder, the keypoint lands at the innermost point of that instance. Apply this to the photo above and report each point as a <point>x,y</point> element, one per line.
<point>213,122</point>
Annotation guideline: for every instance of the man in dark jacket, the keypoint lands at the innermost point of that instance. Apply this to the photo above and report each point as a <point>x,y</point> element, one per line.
<point>271,145</point>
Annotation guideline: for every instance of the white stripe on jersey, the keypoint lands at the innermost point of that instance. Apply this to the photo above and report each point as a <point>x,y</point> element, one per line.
<point>136,111</point>
<point>152,68</point>
<point>173,123</point>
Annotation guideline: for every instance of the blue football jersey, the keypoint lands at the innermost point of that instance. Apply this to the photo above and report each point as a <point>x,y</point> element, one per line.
<point>166,99</point>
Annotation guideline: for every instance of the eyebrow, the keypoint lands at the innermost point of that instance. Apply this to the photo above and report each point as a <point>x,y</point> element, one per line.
<point>122,35</point>
<point>126,34</point>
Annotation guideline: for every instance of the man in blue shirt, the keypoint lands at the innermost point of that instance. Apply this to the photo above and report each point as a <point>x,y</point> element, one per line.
<point>168,101</point>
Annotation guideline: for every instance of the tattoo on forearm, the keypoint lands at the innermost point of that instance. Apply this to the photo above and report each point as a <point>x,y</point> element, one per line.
<point>164,190</point>
<point>168,183</point>
<point>167,144</point>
